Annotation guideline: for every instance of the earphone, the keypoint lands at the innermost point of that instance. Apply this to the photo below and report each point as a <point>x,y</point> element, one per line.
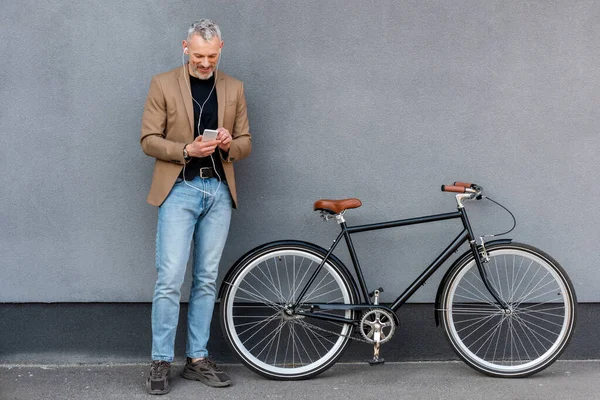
<point>186,51</point>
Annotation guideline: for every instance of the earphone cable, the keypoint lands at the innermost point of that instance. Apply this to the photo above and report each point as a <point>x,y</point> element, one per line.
<point>201,107</point>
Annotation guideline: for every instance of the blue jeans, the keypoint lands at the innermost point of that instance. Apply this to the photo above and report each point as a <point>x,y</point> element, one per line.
<point>188,215</point>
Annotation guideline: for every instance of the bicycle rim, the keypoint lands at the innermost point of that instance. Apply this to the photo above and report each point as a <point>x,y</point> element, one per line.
<point>535,329</point>
<point>262,331</point>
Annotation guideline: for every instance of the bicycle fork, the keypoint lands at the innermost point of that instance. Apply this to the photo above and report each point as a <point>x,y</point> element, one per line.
<point>477,255</point>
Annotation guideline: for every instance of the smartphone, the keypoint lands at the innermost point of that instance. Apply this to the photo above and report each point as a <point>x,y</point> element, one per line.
<point>209,135</point>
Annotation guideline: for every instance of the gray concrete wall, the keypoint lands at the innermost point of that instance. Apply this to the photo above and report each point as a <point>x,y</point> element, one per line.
<point>381,100</point>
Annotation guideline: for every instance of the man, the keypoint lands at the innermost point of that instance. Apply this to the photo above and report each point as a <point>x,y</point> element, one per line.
<point>194,187</point>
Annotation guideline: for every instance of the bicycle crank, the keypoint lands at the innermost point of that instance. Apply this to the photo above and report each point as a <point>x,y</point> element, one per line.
<point>377,327</point>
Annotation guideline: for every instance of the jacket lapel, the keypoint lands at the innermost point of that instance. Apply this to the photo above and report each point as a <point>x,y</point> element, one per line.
<point>221,98</point>
<point>186,95</point>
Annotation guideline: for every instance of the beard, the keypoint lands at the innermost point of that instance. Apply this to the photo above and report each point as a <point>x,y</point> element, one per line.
<point>200,75</point>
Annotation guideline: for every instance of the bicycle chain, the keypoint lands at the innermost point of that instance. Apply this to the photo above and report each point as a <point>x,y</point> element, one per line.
<point>332,332</point>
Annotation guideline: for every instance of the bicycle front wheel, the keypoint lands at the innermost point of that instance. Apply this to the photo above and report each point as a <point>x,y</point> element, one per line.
<point>534,330</point>
<point>261,325</point>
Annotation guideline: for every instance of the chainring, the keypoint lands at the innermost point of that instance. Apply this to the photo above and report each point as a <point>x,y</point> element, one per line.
<point>374,320</point>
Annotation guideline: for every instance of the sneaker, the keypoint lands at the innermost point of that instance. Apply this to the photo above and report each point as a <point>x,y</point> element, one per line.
<point>205,371</point>
<point>159,381</point>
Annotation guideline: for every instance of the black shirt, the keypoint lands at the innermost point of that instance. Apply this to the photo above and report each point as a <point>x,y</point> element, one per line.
<point>201,88</point>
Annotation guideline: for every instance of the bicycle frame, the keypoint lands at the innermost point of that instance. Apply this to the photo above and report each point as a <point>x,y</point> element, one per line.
<point>289,308</point>
<point>465,235</point>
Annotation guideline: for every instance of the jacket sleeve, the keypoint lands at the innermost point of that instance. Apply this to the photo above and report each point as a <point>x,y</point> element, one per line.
<point>241,143</point>
<point>154,121</point>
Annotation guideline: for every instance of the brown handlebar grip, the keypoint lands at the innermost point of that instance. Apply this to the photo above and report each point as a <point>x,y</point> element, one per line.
<point>450,188</point>
<point>463,184</point>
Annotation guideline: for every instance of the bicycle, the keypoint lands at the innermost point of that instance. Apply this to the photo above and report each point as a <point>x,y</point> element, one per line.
<point>289,308</point>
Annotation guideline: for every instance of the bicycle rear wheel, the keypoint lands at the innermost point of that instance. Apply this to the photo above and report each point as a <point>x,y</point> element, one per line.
<point>261,327</point>
<point>535,329</point>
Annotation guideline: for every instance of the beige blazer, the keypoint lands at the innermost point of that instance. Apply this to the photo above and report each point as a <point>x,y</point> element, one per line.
<point>167,126</point>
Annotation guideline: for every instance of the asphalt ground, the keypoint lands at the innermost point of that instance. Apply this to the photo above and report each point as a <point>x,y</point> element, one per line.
<point>424,380</point>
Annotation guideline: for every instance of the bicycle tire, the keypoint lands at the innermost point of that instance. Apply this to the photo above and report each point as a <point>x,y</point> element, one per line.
<point>536,329</point>
<point>261,334</point>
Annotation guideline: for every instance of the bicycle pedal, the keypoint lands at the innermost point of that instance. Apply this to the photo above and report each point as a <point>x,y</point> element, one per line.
<point>376,361</point>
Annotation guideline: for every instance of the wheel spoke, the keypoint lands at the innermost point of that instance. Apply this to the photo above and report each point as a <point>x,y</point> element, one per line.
<point>484,320</point>
<point>479,289</point>
<point>316,330</point>
<point>299,285</point>
<point>499,289</point>
<point>527,309</point>
<point>273,334</point>
<point>269,288</point>
<point>278,280</point>
<point>268,319</point>
<point>529,333</point>
<point>546,293</point>
<point>287,275</point>
<point>485,337</point>
<point>310,295</point>
<point>536,328</point>
<point>546,321</point>
<point>259,297</point>
<point>255,333</point>
<point>526,335</point>
<point>475,321</point>
<point>323,294</point>
<point>317,336</point>
<point>478,310</point>
<point>272,281</point>
<point>298,348</point>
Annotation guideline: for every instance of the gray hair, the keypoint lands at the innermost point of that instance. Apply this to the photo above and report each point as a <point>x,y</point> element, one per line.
<point>205,28</point>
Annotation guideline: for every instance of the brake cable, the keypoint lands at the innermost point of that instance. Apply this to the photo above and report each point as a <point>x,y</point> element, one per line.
<point>484,253</point>
<point>508,211</point>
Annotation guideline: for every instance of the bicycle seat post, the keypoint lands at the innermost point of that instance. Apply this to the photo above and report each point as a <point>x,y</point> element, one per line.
<point>376,297</point>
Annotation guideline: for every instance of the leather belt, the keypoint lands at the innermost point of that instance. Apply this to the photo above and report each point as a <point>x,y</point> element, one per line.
<point>206,172</point>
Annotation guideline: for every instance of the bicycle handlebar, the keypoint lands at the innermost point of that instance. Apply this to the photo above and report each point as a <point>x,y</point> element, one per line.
<point>453,188</point>
<point>464,184</point>
<point>464,187</point>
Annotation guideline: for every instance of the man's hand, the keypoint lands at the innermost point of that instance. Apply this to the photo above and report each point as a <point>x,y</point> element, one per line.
<point>199,148</point>
<point>224,137</point>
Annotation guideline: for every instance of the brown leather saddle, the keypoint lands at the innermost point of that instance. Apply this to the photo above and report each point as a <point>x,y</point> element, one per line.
<point>336,206</point>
